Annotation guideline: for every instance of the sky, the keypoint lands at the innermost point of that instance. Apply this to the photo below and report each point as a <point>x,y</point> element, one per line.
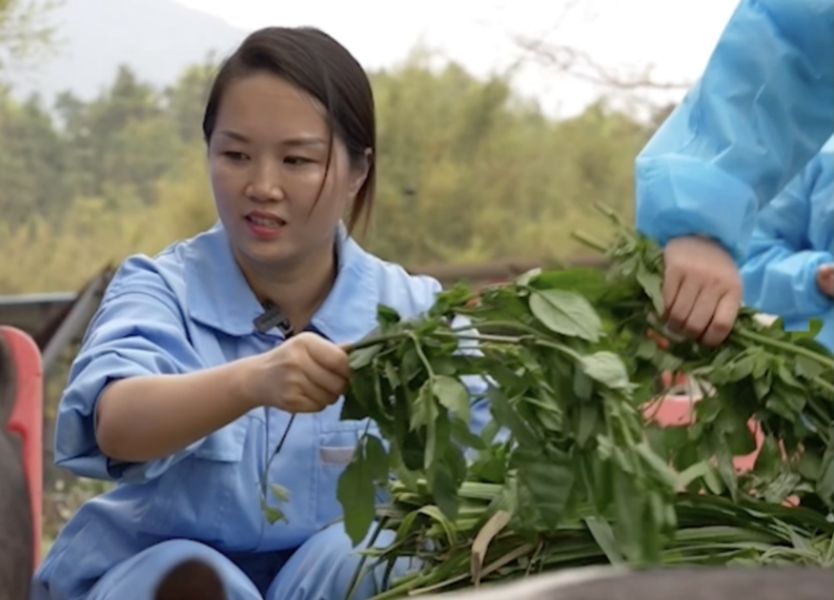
<point>671,38</point>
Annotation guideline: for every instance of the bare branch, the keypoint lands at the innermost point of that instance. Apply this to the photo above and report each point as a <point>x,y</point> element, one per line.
<point>579,64</point>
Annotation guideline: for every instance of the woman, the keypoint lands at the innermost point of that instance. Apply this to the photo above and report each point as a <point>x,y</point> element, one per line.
<point>202,359</point>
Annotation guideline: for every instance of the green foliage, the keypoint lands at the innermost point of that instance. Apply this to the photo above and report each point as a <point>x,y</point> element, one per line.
<point>484,175</point>
<point>488,176</point>
<point>572,385</point>
<point>22,32</point>
<point>121,174</point>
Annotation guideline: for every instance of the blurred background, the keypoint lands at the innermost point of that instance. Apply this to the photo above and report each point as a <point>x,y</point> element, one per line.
<point>500,123</point>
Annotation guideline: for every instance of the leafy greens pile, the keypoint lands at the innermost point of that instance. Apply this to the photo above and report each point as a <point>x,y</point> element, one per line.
<point>571,469</point>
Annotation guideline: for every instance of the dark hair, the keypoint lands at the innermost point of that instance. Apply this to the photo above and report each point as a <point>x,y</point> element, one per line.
<point>322,67</point>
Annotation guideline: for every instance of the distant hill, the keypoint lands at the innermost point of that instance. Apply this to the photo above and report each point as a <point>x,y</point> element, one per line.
<point>156,38</point>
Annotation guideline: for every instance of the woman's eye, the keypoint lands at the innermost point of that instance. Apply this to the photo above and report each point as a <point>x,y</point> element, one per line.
<point>235,156</point>
<point>298,160</point>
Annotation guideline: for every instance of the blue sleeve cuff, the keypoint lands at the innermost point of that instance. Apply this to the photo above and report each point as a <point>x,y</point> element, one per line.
<point>680,196</point>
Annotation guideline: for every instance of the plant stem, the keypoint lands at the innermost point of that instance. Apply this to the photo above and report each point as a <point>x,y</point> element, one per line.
<point>419,348</point>
<point>498,324</point>
<point>786,346</point>
<point>375,340</point>
<point>484,337</point>
<point>823,384</point>
<point>265,479</point>
<point>476,337</point>
<point>589,241</point>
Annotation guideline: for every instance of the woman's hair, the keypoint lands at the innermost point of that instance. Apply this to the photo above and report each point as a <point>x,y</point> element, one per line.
<point>316,63</point>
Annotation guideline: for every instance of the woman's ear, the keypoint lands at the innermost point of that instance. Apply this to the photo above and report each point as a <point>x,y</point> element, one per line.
<point>360,172</point>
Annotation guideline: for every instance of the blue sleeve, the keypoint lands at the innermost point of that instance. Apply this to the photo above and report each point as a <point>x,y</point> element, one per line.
<point>780,271</point>
<point>762,109</point>
<point>138,330</point>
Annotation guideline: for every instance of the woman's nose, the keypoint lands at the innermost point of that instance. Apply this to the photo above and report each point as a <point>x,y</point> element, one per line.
<point>265,185</point>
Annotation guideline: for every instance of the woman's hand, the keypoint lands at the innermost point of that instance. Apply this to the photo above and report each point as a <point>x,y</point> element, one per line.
<point>702,289</point>
<point>825,280</point>
<point>305,374</point>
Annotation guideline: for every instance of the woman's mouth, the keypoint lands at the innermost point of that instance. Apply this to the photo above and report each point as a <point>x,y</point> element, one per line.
<point>264,225</point>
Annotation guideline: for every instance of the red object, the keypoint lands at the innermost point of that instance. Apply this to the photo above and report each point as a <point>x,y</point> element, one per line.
<point>679,411</point>
<point>27,416</point>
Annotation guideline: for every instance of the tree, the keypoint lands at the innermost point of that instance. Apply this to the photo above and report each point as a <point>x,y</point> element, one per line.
<point>185,100</point>
<point>121,139</point>
<point>486,176</point>
<point>23,30</point>
<point>32,164</point>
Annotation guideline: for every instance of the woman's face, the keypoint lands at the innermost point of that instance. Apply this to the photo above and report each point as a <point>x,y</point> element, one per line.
<point>277,198</point>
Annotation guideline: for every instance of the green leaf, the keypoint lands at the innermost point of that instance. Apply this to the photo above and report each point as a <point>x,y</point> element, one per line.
<point>727,471</point>
<point>387,315</point>
<point>452,394</point>
<point>761,365</point>
<point>741,442</point>
<point>444,489</point>
<point>433,442</point>
<point>453,458</point>
<point>604,537</point>
<point>762,385</point>
<point>810,465</point>
<point>778,490</point>
<point>769,460</point>
<point>692,473</point>
<point>629,508</point>
<point>376,457</point>
<point>713,482</point>
<point>361,390</point>
<point>424,409</point>
<point>438,516</point>
<point>825,484</point>
<point>451,300</point>
<point>272,514</point>
<point>788,377</point>
<point>491,465</point>
<point>647,349</point>
<point>356,489</point>
<point>410,365</point>
<point>815,325</point>
<point>587,421</point>
<point>463,435</point>
<point>786,403</point>
<point>590,283</point>
<point>583,387</point>
<point>490,430</point>
<point>281,493</point>
<point>506,416</point>
<point>548,478</point>
<point>566,313</point>
<point>807,368</point>
<point>391,374</point>
<point>358,359</point>
<point>742,368</point>
<point>663,471</point>
<point>708,409</point>
<point>607,368</point>
<point>652,284</point>
<point>597,479</point>
<point>412,450</point>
